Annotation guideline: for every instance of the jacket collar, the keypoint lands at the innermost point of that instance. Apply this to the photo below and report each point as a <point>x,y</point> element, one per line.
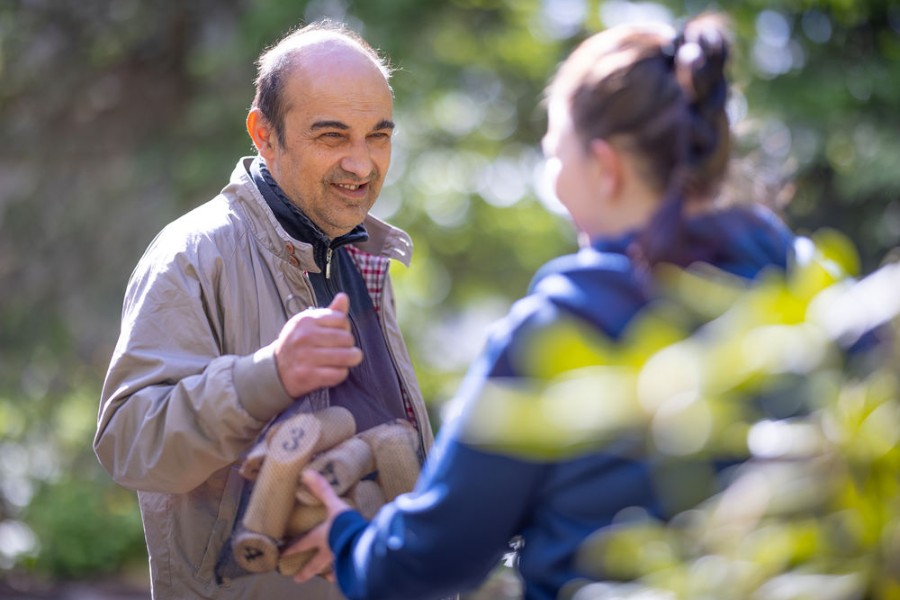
<point>615,244</point>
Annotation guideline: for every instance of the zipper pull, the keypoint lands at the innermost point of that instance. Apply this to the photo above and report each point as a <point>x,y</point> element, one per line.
<point>328,263</point>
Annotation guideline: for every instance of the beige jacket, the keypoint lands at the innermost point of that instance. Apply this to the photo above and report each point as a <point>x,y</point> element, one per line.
<point>192,381</point>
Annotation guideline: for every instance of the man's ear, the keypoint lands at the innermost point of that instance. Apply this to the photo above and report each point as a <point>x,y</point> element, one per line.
<point>609,165</point>
<point>262,133</point>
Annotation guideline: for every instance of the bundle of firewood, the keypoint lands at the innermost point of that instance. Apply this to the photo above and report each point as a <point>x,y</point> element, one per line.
<point>366,469</point>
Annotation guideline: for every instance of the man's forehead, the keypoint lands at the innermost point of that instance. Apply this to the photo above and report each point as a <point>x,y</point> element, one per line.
<point>342,101</point>
<point>314,113</point>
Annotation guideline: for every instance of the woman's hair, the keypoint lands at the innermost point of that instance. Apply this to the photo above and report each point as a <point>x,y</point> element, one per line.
<point>663,98</point>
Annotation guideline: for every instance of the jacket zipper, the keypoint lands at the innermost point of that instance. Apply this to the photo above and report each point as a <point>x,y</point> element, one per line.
<point>333,290</point>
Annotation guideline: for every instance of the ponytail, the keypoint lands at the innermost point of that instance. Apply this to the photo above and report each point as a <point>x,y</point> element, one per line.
<point>697,58</point>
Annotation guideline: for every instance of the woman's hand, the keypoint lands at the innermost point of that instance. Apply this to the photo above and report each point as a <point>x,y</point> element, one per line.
<point>317,539</point>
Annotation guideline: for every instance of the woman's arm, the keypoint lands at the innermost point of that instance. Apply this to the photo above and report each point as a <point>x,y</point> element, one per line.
<point>443,537</point>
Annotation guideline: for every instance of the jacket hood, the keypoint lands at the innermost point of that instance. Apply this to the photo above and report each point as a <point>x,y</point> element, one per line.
<point>602,284</point>
<point>741,241</point>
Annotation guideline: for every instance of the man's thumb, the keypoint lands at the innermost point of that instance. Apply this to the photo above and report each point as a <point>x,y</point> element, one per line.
<point>340,303</point>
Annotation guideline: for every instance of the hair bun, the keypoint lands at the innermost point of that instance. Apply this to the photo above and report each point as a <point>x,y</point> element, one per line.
<point>700,59</point>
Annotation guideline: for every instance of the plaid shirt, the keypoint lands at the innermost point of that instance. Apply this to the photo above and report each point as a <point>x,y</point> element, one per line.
<point>374,272</point>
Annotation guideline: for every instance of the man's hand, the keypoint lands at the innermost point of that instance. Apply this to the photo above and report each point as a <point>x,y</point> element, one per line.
<point>317,539</point>
<point>316,348</point>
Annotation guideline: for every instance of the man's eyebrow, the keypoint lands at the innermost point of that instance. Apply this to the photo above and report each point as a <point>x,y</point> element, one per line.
<point>329,125</point>
<point>383,124</point>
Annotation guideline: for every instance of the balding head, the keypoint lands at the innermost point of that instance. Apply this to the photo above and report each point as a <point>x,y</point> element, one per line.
<point>320,44</point>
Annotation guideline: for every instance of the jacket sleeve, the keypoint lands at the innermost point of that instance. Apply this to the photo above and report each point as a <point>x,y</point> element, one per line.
<point>174,409</point>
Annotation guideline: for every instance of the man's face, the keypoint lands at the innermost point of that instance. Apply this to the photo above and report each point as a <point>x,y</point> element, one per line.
<point>337,138</point>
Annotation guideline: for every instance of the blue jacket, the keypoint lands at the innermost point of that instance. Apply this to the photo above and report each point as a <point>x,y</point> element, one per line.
<point>449,533</point>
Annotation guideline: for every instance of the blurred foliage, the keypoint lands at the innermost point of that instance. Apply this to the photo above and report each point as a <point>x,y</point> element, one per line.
<point>118,115</point>
<point>84,527</point>
<point>793,382</point>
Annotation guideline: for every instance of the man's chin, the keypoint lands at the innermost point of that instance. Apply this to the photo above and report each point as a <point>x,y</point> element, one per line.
<point>349,224</point>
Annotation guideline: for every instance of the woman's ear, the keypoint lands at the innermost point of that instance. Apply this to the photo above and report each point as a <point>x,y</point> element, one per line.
<point>609,165</point>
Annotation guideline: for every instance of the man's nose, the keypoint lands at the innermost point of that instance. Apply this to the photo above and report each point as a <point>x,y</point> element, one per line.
<point>358,160</point>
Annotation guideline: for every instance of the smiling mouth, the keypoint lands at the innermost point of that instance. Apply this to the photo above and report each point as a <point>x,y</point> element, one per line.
<point>350,186</point>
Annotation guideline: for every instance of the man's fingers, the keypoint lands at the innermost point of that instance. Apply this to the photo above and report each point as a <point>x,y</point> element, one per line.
<point>341,303</point>
<point>344,356</point>
<point>321,368</point>
<point>340,357</point>
<point>328,358</point>
<point>329,376</point>
<point>325,337</point>
<point>334,315</point>
<point>316,348</point>
<point>318,319</point>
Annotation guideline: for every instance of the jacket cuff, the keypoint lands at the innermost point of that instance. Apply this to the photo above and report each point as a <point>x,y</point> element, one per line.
<point>258,386</point>
<point>345,528</point>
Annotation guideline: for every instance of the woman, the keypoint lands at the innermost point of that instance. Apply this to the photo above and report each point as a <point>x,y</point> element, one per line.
<point>638,146</point>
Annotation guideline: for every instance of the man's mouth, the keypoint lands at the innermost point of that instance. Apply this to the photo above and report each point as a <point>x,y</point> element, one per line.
<point>350,186</point>
<point>352,191</point>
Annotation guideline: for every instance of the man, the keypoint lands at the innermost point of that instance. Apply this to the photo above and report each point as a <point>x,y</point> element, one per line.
<point>273,293</point>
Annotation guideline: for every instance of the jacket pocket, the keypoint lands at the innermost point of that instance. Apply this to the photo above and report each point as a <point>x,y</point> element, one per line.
<point>220,534</point>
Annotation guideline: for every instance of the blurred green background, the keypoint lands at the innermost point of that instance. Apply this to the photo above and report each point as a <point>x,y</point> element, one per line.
<point>118,115</point>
